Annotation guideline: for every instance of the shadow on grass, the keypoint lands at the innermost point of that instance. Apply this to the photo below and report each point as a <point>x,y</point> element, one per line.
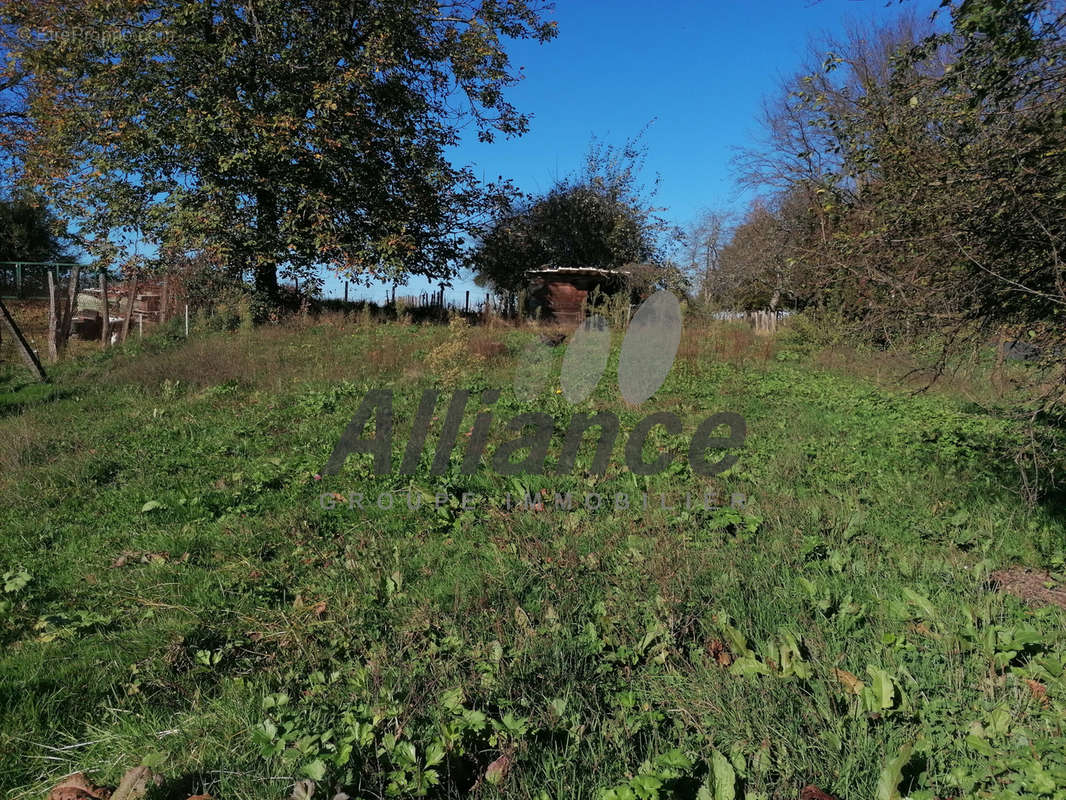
<point>16,397</point>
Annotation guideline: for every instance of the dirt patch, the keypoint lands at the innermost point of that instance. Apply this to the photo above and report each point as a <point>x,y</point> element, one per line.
<point>1035,587</point>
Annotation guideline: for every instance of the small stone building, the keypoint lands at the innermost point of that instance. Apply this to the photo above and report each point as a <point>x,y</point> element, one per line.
<point>558,294</point>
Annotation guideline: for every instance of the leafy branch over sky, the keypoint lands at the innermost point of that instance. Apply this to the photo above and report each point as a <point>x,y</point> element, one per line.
<point>274,135</point>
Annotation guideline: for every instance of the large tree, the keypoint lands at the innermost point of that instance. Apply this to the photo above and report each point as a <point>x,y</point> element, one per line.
<point>930,167</point>
<point>275,135</point>
<point>600,217</point>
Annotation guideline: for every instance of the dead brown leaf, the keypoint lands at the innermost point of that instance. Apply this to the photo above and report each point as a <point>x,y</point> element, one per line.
<point>1039,691</point>
<point>78,787</point>
<point>851,682</point>
<point>135,784</point>
<point>719,652</point>
<point>498,770</point>
<point>814,793</point>
<point>924,630</point>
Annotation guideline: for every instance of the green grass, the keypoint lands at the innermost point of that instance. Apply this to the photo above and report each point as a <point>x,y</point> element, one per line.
<point>175,593</point>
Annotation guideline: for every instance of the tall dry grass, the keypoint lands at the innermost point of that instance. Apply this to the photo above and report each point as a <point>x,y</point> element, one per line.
<point>270,357</point>
<point>729,342</point>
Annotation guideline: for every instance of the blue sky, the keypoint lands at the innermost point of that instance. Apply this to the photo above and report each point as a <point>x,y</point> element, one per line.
<point>699,69</point>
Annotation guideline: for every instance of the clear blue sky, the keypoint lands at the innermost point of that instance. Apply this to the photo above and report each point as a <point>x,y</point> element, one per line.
<point>700,69</point>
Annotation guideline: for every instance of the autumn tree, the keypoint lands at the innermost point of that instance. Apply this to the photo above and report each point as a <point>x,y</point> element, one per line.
<point>925,172</point>
<point>276,136</point>
<point>932,166</point>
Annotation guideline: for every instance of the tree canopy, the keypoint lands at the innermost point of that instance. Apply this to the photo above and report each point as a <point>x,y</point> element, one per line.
<point>275,135</point>
<point>29,231</point>
<point>601,217</point>
<point>914,176</point>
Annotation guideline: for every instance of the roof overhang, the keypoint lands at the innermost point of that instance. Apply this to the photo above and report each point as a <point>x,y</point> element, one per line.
<point>561,271</point>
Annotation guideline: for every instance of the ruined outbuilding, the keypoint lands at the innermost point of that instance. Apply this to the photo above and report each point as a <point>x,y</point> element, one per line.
<point>560,294</point>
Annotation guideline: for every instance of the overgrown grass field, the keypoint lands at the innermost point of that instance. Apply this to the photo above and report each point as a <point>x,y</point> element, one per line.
<point>176,593</point>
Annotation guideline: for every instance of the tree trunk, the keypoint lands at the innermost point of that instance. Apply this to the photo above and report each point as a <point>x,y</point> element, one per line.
<point>21,344</point>
<point>129,312</point>
<point>105,330</point>
<point>266,267</point>
<point>266,280</point>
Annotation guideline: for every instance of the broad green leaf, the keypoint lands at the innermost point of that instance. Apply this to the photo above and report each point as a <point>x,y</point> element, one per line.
<point>725,777</point>
<point>892,775</point>
<point>316,770</point>
<point>747,665</point>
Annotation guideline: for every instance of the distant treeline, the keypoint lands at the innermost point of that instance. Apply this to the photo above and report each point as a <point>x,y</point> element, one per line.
<point>912,177</point>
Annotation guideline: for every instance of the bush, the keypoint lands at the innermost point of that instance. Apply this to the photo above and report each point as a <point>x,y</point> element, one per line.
<point>453,358</point>
<point>809,331</point>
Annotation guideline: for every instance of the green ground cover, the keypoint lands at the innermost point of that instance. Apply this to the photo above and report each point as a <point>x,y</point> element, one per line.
<point>174,592</point>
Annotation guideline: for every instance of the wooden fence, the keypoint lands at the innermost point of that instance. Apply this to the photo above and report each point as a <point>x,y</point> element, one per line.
<point>43,311</point>
<point>764,322</point>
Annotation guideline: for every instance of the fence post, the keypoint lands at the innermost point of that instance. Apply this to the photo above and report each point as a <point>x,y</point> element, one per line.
<point>18,281</point>
<point>21,344</point>
<point>71,303</point>
<point>132,295</point>
<point>53,320</point>
<point>105,330</point>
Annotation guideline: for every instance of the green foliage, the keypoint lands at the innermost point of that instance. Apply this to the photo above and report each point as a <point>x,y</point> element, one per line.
<point>13,581</point>
<point>281,137</point>
<point>29,231</point>
<point>916,179</point>
<point>839,616</point>
<point>601,217</point>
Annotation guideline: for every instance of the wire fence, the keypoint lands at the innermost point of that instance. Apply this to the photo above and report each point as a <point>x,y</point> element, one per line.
<point>28,280</point>
<point>24,289</point>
